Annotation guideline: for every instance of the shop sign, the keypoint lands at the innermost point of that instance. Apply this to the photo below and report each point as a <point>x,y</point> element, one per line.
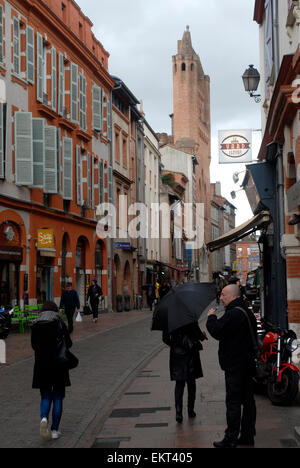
<point>11,254</point>
<point>123,245</point>
<point>45,239</point>
<point>235,146</point>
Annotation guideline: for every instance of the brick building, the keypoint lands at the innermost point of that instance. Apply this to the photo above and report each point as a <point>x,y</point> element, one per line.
<point>247,256</point>
<point>55,161</point>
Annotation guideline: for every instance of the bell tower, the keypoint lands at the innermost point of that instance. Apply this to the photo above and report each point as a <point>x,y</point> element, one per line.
<point>192,126</point>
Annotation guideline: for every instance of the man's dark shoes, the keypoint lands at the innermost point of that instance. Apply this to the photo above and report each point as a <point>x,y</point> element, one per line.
<point>246,441</point>
<point>225,443</point>
<point>179,417</point>
<point>191,413</point>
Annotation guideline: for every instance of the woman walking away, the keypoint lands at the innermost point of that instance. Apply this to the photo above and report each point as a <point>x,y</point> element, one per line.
<point>50,377</point>
<point>185,364</point>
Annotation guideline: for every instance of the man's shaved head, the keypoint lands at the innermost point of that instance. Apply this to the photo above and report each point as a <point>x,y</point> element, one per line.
<point>230,293</point>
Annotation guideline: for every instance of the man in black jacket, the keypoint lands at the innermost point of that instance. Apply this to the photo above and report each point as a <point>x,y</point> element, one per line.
<point>236,357</point>
<point>69,301</point>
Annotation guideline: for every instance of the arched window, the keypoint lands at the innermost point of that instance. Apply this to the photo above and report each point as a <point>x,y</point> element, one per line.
<point>192,66</point>
<point>183,67</point>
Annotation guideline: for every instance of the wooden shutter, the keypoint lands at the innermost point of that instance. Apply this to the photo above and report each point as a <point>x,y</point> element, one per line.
<point>97,108</point>
<point>38,144</point>
<point>78,175</point>
<point>53,79</point>
<point>101,181</point>
<point>82,101</point>
<point>58,161</point>
<point>40,68</point>
<point>110,184</point>
<point>108,114</point>
<point>89,188</point>
<point>16,47</point>
<point>50,172</point>
<point>67,168</point>
<point>61,84</point>
<point>30,54</point>
<point>1,34</point>
<point>74,92</point>
<point>2,152</point>
<point>93,184</point>
<point>23,148</point>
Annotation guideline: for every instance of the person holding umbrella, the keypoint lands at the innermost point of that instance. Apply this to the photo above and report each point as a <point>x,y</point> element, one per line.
<point>177,316</point>
<point>185,364</point>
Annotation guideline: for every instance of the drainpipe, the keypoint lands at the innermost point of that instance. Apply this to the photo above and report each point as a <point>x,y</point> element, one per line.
<point>276,37</point>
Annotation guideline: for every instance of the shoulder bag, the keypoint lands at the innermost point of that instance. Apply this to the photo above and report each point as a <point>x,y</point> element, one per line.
<point>261,371</point>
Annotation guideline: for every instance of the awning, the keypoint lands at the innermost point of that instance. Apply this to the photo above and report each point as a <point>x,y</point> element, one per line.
<point>177,268</point>
<point>262,219</point>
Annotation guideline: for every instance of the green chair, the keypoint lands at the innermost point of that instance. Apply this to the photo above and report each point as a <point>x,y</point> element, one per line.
<point>32,312</point>
<point>18,318</point>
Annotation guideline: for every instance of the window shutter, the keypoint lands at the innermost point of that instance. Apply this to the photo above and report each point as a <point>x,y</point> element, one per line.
<point>93,184</point>
<point>16,46</point>
<point>40,68</point>
<point>78,175</point>
<point>89,188</point>
<point>2,173</point>
<point>38,143</point>
<point>23,148</point>
<point>50,173</point>
<point>108,113</point>
<point>30,54</point>
<point>58,160</point>
<point>67,168</point>
<point>97,108</point>
<point>54,79</point>
<point>110,185</point>
<point>61,84</point>
<point>101,181</point>
<point>1,34</point>
<point>82,101</point>
<point>74,92</point>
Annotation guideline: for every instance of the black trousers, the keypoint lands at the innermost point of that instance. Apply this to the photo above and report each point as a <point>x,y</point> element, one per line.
<point>179,390</point>
<point>95,306</point>
<point>70,313</point>
<point>240,404</point>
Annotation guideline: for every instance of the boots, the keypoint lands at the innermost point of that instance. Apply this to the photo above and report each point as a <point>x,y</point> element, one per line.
<point>191,412</point>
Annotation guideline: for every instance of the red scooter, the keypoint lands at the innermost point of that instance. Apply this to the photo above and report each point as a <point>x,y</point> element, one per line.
<point>282,376</point>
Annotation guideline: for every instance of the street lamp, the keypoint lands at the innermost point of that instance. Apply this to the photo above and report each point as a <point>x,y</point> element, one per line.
<point>251,79</point>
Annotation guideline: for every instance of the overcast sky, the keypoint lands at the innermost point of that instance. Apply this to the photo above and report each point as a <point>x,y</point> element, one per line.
<point>141,37</point>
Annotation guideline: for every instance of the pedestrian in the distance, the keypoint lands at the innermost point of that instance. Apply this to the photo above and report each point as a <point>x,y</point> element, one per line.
<point>236,356</point>
<point>150,296</point>
<point>94,295</point>
<point>185,364</point>
<point>48,376</point>
<point>70,302</point>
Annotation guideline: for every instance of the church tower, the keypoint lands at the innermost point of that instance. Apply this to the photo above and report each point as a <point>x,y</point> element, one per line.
<point>192,127</point>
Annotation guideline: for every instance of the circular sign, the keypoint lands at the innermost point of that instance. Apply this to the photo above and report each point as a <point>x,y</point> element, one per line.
<point>235,146</point>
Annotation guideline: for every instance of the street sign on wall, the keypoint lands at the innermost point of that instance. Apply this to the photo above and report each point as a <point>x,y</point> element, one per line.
<point>235,146</point>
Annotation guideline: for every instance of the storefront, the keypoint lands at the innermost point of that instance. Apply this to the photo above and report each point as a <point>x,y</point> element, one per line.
<point>46,254</point>
<point>11,256</point>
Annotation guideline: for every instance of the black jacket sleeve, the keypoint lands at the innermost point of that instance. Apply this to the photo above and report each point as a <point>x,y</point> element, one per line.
<point>226,326</point>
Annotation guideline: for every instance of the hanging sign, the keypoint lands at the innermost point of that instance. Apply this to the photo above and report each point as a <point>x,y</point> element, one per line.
<point>235,146</point>
<point>45,239</point>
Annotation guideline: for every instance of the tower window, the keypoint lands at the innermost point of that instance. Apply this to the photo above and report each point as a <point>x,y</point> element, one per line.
<point>183,67</point>
<point>192,67</point>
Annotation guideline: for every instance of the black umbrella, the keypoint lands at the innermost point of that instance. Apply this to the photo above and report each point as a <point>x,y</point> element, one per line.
<point>182,306</point>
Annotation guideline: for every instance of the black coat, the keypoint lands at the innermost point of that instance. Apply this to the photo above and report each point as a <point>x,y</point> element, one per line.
<point>184,345</point>
<point>44,336</point>
<point>232,331</point>
<point>94,294</point>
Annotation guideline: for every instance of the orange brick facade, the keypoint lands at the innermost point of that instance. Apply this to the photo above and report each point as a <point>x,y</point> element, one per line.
<point>57,66</point>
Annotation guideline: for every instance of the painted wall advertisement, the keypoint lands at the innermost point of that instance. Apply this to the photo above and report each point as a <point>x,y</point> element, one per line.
<point>235,146</point>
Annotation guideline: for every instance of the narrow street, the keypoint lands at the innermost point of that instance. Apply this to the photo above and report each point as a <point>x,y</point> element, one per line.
<point>107,361</point>
<point>122,397</point>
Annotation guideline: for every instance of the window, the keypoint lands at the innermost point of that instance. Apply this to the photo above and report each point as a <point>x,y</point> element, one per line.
<point>78,175</point>
<point>74,93</point>
<point>125,151</point>
<point>23,148</point>
<point>117,146</point>
<point>61,85</point>
<point>67,149</point>
<point>183,67</point>
<point>1,35</point>
<point>30,54</point>
<point>101,181</point>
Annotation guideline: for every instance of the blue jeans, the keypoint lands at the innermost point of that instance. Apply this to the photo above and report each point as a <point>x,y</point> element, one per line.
<point>48,397</point>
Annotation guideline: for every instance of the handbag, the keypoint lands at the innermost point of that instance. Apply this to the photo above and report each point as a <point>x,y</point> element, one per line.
<point>261,370</point>
<point>64,357</point>
<point>87,310</point>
